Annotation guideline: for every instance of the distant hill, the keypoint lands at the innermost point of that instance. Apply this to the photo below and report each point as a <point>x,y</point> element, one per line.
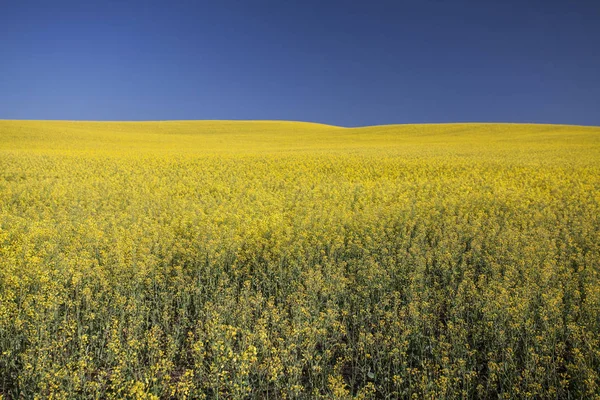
<point>197,137</point>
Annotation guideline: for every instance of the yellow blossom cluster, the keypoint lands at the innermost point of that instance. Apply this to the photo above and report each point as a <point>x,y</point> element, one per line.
<point>234,260</point>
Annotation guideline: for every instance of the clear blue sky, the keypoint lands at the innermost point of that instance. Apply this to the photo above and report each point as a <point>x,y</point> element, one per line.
<point>340,62</point>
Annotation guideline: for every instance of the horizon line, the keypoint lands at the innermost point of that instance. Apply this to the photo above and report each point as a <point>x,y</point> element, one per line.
<point>298,121</point>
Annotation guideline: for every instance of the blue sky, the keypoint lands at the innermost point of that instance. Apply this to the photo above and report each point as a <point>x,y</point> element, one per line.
<point>340,62</point>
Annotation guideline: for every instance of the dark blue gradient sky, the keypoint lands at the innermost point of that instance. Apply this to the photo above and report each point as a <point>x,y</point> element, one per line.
<point>339,62</point>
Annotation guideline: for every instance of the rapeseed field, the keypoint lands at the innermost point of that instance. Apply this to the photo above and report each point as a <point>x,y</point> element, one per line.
<point>284,260</point>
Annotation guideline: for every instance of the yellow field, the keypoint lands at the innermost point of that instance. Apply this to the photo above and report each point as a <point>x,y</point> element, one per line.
<point>222,259</point>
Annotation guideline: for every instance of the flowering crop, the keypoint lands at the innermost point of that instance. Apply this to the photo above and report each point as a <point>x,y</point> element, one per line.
<point>224,259</point>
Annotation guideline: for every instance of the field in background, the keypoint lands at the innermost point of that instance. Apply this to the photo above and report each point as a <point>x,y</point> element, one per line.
<point>226,259</point>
